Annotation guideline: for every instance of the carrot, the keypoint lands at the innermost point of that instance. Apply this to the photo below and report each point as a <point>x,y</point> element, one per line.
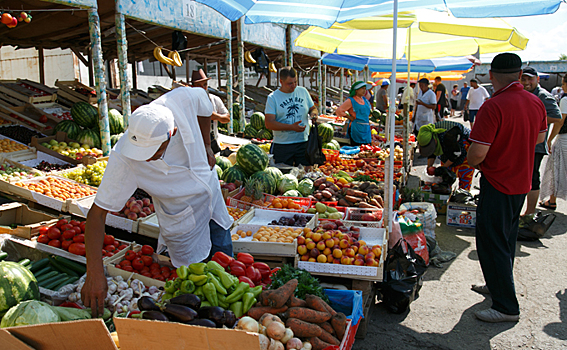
<point>307,315</point>
<point>339,324</point>
<point>328,338</point>
<point>353,199</point>
<point>295,302</point>
<point>278,297</point>
<point>303,329</point>
<point>326,326</point>
<point>316,303</point>
<point>257,312</point>
<point>318,344</point>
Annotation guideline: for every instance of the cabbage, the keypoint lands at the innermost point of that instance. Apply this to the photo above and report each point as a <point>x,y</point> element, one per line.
<point>292,193</point>
<point>305,187</point>
<point>29,313</point>
<point>287,182</point>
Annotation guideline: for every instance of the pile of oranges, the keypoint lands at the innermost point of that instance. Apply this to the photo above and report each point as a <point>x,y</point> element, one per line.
<point>7,146</point>
<point>236,213</point>
<point>58,188</point>
<point>278,234</point>
<point>281,203</point>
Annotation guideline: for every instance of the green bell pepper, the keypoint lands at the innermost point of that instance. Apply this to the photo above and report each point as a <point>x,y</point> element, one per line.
<point>169,287</point>
<point>199,280</point>
<point>197,268</point>
<point>242,288</point>
<point>213,265</point>
<point>182,272</point>
<point>166,296</point>
<point>222,301</point>
<point>177,283</point>
<point>178,293</point>
<point>187,287</point>
<point>226,278</point>
<point>248,300</point>
<point>218,285</point>
<point>205,303</point>
<point>237,309</point>
<point>256,291</point>
<point>199,292</point>
<point>211,293</point>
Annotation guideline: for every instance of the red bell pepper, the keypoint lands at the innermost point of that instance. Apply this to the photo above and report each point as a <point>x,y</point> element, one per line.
<point>245,258</point>
<point>71,304</point>
<point>274,271</point>
<point>263,268</point>
<point>246,280</point>
<point>223,259</point>
<point>253,274</point>
<point>237,268</point>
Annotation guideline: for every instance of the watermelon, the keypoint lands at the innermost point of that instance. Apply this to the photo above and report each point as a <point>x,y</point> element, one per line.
<point>258,120</point>
<point>336,143</point>
<point>70,127</point>
<point>16,285</point>
<point>251,158</point>
<point>326,132</point>
<point>267,180</point>
<point>84,114</point>
<point>90,137</point>
<point>275,172</point>
<point>115,121</point>
<point>264,134</point>
<point>115,138</point>
<point>329,145</point>
<point>233,174</point>
<point>223,162</point>
<point>250,131</point>
<point>219,171</point>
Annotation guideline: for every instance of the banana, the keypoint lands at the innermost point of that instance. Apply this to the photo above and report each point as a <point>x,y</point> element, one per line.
<point>248,57</point>
<point>349,72</point>
<point>161,58</point>
<point>174,55</point>
<point>272,67</point>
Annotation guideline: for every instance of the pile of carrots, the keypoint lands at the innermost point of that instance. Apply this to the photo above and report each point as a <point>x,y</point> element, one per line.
<point>312,319</point>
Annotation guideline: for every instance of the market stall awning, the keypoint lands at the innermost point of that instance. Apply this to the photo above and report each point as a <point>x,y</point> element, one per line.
<point>402,77</point>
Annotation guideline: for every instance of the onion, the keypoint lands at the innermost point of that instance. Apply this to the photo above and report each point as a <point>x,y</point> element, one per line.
<point>287,336</point>
<point>248,324</point>
<point>306,346</point>
<point>294,343</point>
<point>262,329</point>
<point>275,331</point>
<point>266,319</point>
<point>264,342</point>
<point>276,345</point>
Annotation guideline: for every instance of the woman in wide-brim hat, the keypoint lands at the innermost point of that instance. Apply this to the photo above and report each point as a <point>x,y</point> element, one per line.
<point>357,110</point>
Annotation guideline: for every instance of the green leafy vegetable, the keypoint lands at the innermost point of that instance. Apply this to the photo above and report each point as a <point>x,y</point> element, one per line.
<point>307,283</point>
<point>29,313</point>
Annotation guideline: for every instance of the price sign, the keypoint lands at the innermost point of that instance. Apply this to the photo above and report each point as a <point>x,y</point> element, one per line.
<point>189,9</point>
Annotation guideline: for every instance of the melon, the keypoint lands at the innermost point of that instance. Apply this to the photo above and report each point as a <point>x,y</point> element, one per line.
<point>233,174</point>
<point>84,114</point>
<point>16,285</point>
<point>115,121</point>
<point>275,172</point>
<point>90,137</point>
<point>326,132</point>
<point>251,158</point>
<point>70,127</point>
<point>258,120</point>
<point>223,162</point>
<point>266,179</point>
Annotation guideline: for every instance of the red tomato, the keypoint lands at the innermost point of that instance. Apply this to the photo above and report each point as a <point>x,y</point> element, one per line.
<point>43,239</point>
<point>116,243</point>
<point>118,266</point>
<point>159,278</point>
<point>82,226</point>
<point>128,268</point>
<point>53,233</point>
<point>104,252</point>
<point>55,243</point>
<point>122,246</point>
<point>146,273</point>
<point>66,243</point>
<point>155,266</point>
<point>130,255</point>
<point>69,234</point>
<point>147,260</point>
<point>61,222</point>
<point>79,238</point>
<point>110,248</point>
<point>77,248</point>
<point>147,250</point>
<point>75,222</point>
<point>110,254</point>
<point>165,274</point>
<point>145,269</point>
<point>125,263</point>
<point>164,269</point>
<point>66,227</point>
<point>155,272</point>
<point>76,229</point>
<point>138,264</point>
<point>108,239</point>
<point>43,230</point>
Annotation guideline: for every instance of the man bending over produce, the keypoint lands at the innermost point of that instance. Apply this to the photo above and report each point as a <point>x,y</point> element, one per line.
<point>166,152</point>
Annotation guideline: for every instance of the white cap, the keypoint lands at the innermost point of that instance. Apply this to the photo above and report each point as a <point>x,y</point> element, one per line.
<point>149,127</point>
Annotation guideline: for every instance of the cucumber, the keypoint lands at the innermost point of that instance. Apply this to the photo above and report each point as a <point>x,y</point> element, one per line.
<point>25,262</point>
<point>56,281</point>
<point>45,270</point>
<point>3,256</point>
<point>50,280</point>
<point>55,263</point>
<point>80,269</point>
<point>65,282</point>
<point>47,276</point>
<point>39,265</point>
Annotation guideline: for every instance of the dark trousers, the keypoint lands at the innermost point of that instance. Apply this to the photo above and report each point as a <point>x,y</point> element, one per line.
<point>497,220</point>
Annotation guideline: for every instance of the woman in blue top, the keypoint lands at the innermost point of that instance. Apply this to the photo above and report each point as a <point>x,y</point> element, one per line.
<point>357,109</point>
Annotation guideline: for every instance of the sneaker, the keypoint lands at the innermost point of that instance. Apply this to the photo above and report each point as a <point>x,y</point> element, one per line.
<point>494,316</point>
<point>480,288</point>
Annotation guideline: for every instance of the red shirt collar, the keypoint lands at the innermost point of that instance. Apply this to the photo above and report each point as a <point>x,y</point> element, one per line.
<point>516,84</point>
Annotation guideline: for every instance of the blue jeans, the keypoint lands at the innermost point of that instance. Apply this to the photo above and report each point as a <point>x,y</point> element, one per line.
<point>220,239</point>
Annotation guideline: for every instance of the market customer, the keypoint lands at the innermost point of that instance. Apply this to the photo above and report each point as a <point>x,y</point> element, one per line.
<point>475,98</point>
<point>508,127</point>
<point>464,92</point>
<point>382,103</point>
<point>449,141</point>
<point>220,113</point>
<point>166,152</point>
<point>441,94</point>
<point>424,106</point>
<point>455,93</point>
<point>408,97</point>
<point>357,110</point>
<point>554,183</point>
<point>530,80</point>
<point>287,115</point>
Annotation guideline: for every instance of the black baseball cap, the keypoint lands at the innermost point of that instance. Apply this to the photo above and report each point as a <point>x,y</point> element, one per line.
<point>424,81</point>
<point>530,72</point>
<point>506,63</point>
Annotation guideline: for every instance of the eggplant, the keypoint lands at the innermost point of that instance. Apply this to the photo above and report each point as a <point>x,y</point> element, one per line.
<point>202,323</point>
<point>190,300</point>
<point>230,318</point>
<point>154,315</point>
<point>213,313</point>
<point>179,313</point>
<point>147,304</point>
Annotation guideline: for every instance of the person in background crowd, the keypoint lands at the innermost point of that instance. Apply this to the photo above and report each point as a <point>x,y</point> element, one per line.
<point>357,109</point>
<point>220,113</point>
<point>455,93</point>
<point>287,114</point>
<point>424,106</point>
<point>557,92</point>
<point>441,95</point>
<point>382,96</point>
<point>475,98</point>
<point>369,95</point>
<point>464,92</point>
<point>408,97</point>
<point>530,80</point>
<point>554,183</point>
<point>508,127</point>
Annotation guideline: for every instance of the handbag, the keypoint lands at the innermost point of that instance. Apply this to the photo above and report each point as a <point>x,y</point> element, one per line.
<point>314,150</point>
<point>466,115</point>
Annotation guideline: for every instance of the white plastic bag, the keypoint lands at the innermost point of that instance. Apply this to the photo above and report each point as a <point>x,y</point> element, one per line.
<point>427,219</point>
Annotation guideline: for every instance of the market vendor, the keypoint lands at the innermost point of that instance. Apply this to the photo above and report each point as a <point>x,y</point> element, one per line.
<point>357,109</point>
<point>450,142</point>
<point>166,152</point>
<point>220,113</point>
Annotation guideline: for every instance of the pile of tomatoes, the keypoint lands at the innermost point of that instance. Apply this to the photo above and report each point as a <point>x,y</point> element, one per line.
<point>142,262</point>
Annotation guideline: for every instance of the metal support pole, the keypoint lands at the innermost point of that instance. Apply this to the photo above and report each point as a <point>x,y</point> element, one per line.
<point>324,84</point>
<point>289,51</point>
<point>122,46</point>
<point>319,87</point>
<point>229,78</point>
<point>100,80</point>
<point>342,86</point>
<point>135,74</point>
<point>407,130</point>
<point>218,76</point>
<point>241,78</point>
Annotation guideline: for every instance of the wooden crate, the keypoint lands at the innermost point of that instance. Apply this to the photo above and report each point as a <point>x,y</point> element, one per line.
<point>44,109</point>
<point>21,155</point>
<point>19,165</point>
<point>28,116</point>
<point>149,226</point>
<point>15,90</point>
<point>60,136</point>
<point>29,221</point>
<point>72,91</point>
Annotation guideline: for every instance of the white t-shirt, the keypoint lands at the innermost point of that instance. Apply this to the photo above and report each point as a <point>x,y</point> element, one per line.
<point>218,107</point>
<point>424,115</point>
<point>408,96</point>
<point>477,97</point>
<point>185,192</point>
<point>563,105</point>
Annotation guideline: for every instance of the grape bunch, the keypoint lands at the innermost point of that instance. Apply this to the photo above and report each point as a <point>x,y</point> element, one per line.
<point>89,175</point>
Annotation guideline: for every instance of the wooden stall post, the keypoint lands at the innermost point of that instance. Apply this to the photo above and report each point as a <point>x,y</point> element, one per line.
<point>229,83</point>
<point>218,76</point>
<point>241,77</point>
<point>342,86</point>
<point>319,87</point>
<point>122,50</point>
<point>41,65</point>
<point>288,41</point>
<point>324,85</point>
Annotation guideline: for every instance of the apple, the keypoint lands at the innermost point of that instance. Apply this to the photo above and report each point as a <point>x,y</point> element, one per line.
<point>310,244</point>
<point>317,236</point>
<point>362,242</point>
<point>309,234</point>
<point>355,248</point>
<point>300,240</point>
<point>355,229</point>
<point>305,257</point>
<point>321,245</point>
<point>329,242</point>
<point>142,215</point>
<point>359,256</point>
<point>343,229</point>
<point>327,251</point>
<point>151,206</point>
<point>302,249</point>
<point>344,243</point>
<point>146,210</point>
<point>339,224</point>
<point>336,261</point>
<point>126,212</point>
<point>350,252</point>
<point>314,253</point>
<point>312,260</point>
<point>431,171</point>
<point>363,250</point>
<point>135,208</point>
<point>337,253</point>
<point>322,258</point>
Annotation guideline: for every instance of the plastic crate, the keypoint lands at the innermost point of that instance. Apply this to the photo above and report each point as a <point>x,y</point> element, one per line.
<point>237,203</point>
<point>353,217</point>
<point>330,154</point>
<point>304,203</point>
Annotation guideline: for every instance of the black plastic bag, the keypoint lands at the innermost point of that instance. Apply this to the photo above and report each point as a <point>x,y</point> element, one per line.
<point>314,151</point>
<point>466,115</point>
<point>537,228</point>
<point>403,277</point>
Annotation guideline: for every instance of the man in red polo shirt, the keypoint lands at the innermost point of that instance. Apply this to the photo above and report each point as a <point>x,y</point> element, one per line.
<point>508,127</point>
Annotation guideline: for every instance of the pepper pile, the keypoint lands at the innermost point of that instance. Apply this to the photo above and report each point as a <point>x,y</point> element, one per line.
<point>244,267</point>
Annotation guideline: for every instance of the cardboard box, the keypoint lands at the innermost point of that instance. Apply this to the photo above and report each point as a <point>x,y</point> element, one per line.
<point>29,221</point>
<point>461,215</point>
<point>84,334</point>
<point>438,200</point>
<point>145,334</point>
